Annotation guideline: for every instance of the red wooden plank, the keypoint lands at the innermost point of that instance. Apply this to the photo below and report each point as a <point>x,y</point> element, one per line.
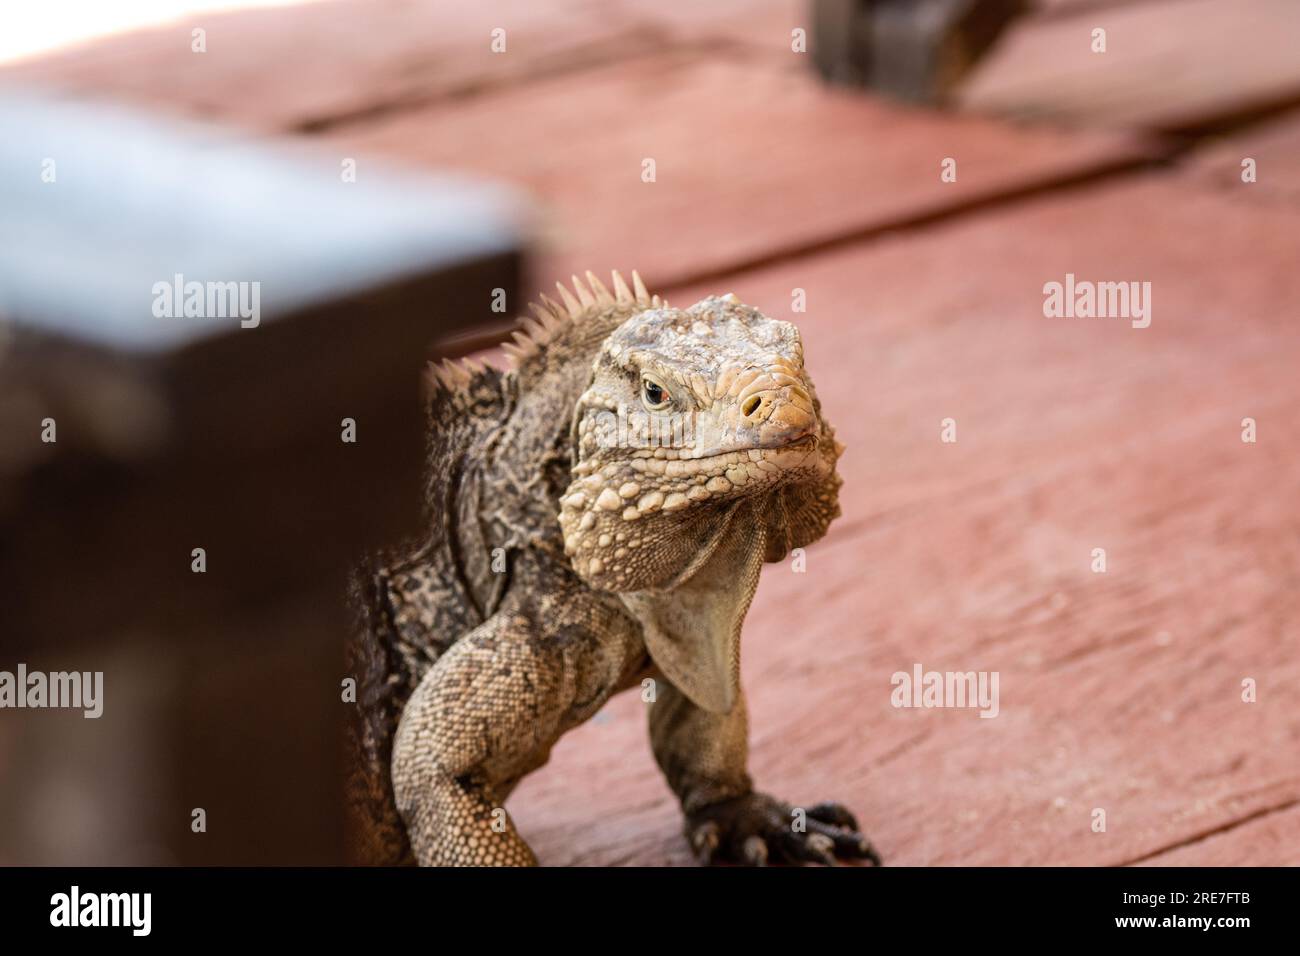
<point>1267,840</point>
<point>302,67</point>
<point>1167,65</point>
<point>756,25</point>
<point>1274,148</point>
<point>1119,691</point>
<point>752,159</point>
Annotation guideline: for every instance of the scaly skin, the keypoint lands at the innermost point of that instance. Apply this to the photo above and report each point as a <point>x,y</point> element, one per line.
<point>598,518</point>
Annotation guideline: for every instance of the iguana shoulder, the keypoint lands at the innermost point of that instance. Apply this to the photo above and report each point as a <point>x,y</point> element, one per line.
<point>498,456</point>
<point>413,602</point>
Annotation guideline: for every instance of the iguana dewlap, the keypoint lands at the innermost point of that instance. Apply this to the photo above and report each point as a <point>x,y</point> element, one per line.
<point>598,515</point>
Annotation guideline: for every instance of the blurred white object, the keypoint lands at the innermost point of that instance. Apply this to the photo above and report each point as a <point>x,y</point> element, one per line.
<point>31,29</point>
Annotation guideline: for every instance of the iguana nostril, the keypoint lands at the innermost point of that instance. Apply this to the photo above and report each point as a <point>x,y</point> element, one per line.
<point>751,405</point>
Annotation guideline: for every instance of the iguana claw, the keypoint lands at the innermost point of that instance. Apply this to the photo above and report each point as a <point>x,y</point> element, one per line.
<point>756,829</point>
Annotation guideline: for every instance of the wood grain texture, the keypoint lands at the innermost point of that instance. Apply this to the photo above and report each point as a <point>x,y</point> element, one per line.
<point>1274,145</point>
<point>757,26</point>
<point>1119,690</point>
<point>1267,840</point>
<point>327,63</point>
<point>1168,65</point>
<point>753,159</point>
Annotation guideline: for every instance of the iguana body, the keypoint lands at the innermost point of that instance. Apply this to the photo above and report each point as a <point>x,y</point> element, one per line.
<point>598,516</point>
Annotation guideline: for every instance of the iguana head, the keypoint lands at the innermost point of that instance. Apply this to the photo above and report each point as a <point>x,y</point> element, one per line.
<point>691,415</point>
<point>699,451</point>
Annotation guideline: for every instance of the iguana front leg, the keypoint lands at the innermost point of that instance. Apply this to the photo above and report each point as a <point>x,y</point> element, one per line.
<point>478,705</point>
<point>704,756</point>
<point>489,711</point>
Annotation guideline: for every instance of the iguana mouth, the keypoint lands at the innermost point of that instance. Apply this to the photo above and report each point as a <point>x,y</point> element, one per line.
<point>807,440</point>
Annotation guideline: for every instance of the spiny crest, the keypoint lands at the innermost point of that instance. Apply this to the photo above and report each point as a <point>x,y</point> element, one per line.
<point>587,299</point>
<point>548,320</point>
<point>450,375</point>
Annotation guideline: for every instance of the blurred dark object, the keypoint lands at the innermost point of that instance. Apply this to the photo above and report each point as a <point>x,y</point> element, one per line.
<point>222,432</point>
<point>916,50</point>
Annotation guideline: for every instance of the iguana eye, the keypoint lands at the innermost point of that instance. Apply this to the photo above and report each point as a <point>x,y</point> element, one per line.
<point>654,395</point>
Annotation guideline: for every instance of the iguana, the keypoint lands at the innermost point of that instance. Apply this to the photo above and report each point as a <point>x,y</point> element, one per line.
<point>596,519</point>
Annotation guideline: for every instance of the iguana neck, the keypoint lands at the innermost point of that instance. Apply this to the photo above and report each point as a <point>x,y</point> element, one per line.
<point>692,627</point>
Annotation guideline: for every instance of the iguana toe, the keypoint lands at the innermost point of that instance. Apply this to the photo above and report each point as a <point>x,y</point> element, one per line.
<point>841,827</point>
<point>755,829</point>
